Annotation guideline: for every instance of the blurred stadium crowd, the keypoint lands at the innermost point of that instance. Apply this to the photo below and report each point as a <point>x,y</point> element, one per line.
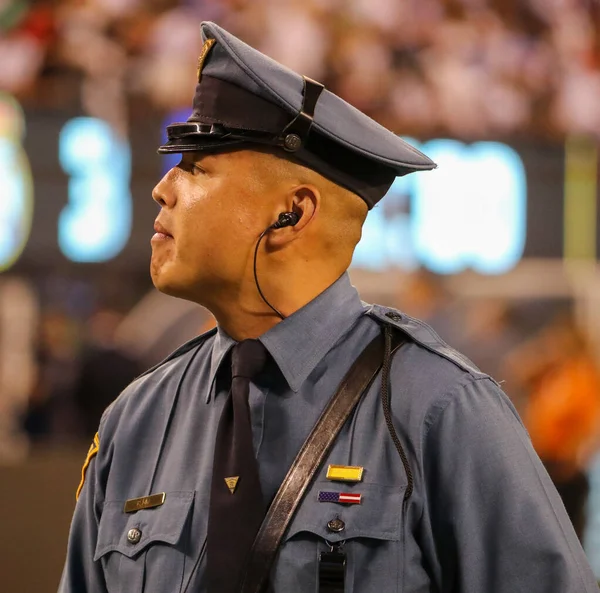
<point>467,68</point>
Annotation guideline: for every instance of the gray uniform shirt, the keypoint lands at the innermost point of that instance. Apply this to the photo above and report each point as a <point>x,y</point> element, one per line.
<point>483,516</point>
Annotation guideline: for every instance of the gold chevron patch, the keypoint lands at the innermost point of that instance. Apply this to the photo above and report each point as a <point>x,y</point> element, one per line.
<point>93,451</point>
<point>232,483</point>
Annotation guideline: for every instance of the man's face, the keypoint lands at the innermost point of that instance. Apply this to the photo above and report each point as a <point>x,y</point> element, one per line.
<point>212,211</point>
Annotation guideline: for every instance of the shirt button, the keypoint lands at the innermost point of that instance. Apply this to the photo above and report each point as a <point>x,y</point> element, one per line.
<point>393,315</point>
<point>336,525</point>
<point>134,535</point>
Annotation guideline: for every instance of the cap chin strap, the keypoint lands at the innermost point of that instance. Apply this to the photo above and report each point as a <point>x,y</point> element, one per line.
<point>295,134</point>
<point>292,138</point>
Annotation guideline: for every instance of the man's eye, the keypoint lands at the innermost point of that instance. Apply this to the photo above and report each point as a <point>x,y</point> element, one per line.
<point>190,167</point>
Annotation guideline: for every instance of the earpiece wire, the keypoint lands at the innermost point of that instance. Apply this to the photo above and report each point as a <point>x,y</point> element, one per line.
<point>262,296</point>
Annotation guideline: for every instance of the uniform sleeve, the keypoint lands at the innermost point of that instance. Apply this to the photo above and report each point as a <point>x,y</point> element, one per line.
<point>81,574</point>
<point>497,521</point>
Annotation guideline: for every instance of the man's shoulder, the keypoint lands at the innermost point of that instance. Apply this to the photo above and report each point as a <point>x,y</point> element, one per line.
<point>152,385</point>
<point>426,370</point>
<point>424,337</point>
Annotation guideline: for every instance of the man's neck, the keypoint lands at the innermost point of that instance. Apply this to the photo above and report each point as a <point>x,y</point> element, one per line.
<point>248,316</point>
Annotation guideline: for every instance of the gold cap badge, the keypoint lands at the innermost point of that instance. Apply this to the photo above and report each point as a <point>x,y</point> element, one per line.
<point>208,44</point>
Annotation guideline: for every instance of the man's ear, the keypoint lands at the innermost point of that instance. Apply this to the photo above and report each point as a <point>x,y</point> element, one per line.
<point>305,203</point>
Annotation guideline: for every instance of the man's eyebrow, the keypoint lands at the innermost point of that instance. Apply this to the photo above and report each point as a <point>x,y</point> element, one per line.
<point>201,158</point>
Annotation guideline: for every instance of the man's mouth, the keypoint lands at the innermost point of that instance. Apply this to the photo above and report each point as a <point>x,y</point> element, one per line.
<point>161,233</point>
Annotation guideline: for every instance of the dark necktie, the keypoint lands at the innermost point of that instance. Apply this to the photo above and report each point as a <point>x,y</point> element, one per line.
<point>236,502</point>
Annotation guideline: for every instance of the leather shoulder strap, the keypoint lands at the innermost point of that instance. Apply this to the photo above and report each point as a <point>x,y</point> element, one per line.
<point>309,459</point>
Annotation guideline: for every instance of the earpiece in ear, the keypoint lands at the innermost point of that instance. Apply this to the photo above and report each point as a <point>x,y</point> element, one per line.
<point>283,220</point>
<point>286,219</point>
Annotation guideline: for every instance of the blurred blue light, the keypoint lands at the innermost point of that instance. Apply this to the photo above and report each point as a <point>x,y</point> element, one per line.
<point>469,213</point>
<point>16,185</point>
<point>170,160</point>
<point>95,225</point>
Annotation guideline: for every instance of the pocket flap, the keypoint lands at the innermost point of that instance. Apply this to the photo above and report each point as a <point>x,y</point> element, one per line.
<point>377,516</point>
<point>160,524</point>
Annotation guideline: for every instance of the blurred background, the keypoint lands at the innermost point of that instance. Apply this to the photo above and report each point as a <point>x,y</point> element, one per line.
<point>498,249</point>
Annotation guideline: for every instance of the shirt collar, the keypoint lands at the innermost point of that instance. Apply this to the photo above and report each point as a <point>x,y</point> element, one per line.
<point>222,344</point>
<point>300,341</point>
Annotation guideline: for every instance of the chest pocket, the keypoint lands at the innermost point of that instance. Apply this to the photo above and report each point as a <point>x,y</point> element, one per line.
<point>370,536</point>
<point>145,547</point>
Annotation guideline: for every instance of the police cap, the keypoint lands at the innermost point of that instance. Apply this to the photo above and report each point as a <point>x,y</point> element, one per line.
<point>244,97</point>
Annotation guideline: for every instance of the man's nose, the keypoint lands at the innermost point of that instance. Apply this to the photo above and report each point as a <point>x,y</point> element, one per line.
<point>163,193</point>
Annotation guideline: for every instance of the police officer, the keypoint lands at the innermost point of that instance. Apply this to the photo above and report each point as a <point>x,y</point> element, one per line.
<point>439,491</point>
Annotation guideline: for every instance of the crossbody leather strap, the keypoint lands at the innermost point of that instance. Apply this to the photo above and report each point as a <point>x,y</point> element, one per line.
<point>309,459</point>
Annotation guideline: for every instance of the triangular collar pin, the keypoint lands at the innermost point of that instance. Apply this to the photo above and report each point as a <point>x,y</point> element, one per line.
<point>232,483</point>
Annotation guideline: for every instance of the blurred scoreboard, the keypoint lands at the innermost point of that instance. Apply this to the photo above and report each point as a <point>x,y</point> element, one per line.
<point>74,192</point>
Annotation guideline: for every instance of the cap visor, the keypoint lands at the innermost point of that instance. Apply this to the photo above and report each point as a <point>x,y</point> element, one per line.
<point>198,144</point>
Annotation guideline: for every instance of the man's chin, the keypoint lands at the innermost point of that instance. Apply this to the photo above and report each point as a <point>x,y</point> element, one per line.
<point>163,280</point>
<point>172,280</point>
<point>164,287</point>
<point>171,284</point>
<point>167,286</point>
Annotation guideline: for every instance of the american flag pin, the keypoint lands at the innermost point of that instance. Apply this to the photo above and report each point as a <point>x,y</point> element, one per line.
<point>341,497</point>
